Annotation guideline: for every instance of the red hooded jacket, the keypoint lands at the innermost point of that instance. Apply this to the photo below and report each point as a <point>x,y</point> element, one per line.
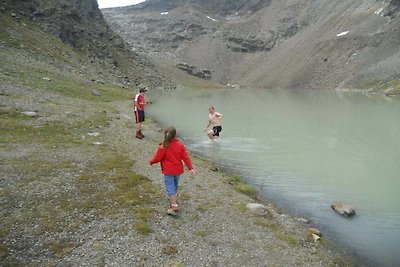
<point>171,158</point>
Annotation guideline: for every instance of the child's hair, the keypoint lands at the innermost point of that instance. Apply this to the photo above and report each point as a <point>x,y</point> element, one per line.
<point>169,134</point>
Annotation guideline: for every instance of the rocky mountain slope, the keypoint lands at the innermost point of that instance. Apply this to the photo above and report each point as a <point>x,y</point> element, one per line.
<point>281,44</point>
<point>80,25</point>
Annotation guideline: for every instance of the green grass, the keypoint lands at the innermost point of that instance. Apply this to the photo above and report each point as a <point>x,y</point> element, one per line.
<point>143,228</point>
<point>391,88</point>
<point>169,250</point>
<point>61,248</point>
<point>31,55</point>
<point>200,233</point>
<point>3,251</point>
<point>267,223</point>
<point>289,238</point>
<point>242,187</point>
<point>19,128</point>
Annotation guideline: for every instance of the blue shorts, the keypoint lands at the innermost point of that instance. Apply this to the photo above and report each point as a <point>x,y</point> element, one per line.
<point>171,184</point>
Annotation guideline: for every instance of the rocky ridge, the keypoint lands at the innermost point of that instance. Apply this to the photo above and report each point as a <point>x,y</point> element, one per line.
<point>272,44</point>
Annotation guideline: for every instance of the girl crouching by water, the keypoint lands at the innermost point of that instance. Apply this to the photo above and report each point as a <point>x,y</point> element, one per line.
<point>172,154</point>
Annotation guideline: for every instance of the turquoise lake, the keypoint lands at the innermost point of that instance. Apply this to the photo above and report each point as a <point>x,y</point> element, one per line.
<point>305,150</point>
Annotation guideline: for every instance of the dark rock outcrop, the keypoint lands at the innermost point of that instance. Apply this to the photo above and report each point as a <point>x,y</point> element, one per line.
<point>192,70</point>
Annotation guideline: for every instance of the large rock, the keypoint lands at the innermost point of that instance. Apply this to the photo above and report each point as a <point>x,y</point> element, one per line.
<point>258,208</point>
<point>343,209</point>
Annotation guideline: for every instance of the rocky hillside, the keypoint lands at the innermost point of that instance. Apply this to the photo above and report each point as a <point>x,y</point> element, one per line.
<point>282,44</point>
<point>80,25</point>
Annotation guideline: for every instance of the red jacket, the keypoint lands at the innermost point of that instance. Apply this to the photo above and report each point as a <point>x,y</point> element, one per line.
<point>171,158</point>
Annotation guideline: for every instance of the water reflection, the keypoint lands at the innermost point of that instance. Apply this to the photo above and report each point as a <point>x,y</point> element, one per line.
<point>306,149</point>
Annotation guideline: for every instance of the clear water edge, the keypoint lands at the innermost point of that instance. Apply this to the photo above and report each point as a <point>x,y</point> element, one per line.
<point>304,150</point>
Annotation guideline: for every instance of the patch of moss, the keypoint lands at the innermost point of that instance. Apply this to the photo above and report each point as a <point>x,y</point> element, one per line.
<point>4,193</point>
<point>99,245</point>
<point>200,233</point>
<point>242,187</point>
<point>240,206</point>
<point>390,88</point>
<point>289,238</point>
<point>345,262</point>
<point>143,228</point>
<point>184,196</point>
<point>3,251</point>
<point>267,223</point>
<point>246,189</point>
<point>169,250</point>
<point>202,208</point>
<point>144,214</point>
<point>61,248</point>
<point>18,128</point>
<point>130,190</point>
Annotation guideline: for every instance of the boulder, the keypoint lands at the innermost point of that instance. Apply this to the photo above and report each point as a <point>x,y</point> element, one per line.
<point>255,206</point>
<point>30,113</point>
<point>258,208</point>
<point>314,234</point>
<point>343,209</point>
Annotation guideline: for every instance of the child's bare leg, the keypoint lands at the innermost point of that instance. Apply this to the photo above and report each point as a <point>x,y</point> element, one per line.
<point>174,205</point>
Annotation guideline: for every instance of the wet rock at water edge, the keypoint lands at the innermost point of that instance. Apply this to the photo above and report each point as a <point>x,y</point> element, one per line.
<point>314,234</point>
<point>343,209</point>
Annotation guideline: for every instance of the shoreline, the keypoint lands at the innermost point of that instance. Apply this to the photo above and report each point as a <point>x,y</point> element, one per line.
<point>291,233</point>
<point>82,193</point>
<point>274,203</point>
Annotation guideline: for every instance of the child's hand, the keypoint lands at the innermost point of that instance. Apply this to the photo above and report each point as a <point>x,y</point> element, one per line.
<point>192,173</point>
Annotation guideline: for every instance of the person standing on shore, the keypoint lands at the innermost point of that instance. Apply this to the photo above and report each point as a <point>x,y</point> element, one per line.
<point>139,104</point>
<point>214,119</point>
<point>171,153</point>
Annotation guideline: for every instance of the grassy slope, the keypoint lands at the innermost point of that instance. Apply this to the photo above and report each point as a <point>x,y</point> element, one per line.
<point>40,73</point>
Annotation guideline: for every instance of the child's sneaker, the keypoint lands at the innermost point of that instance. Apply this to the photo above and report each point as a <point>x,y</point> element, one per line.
<point>172,212</point>
<point>175,207</point>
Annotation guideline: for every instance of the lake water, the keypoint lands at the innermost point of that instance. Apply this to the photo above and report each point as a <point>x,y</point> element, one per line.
<point>305,150</point>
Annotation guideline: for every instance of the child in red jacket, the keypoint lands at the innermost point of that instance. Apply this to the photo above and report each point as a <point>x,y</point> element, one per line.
<point>171,154</point>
